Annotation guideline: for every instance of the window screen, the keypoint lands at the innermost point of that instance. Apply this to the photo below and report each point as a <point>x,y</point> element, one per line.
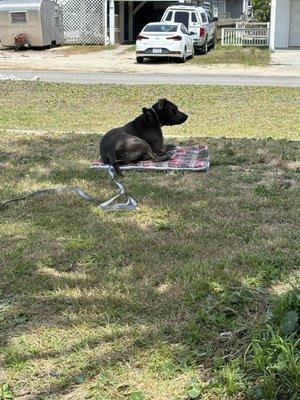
<point>18,17</point>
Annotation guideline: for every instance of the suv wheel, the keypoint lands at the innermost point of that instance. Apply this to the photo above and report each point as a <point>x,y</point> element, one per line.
<point>140,60</point>
<point>204,48</point>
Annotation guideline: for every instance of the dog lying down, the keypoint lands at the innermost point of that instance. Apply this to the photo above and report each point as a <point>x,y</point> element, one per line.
<point>142,138</point>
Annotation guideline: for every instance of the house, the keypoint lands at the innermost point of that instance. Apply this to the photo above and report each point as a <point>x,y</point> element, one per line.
<point>102,22</point>
<point>285,24</point>
<point>232,9</point>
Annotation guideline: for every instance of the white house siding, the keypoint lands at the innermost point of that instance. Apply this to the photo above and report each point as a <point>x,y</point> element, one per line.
<point>280,24</point>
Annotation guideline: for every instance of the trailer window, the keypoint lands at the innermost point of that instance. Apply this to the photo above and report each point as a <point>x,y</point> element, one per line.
<point>18,18</point>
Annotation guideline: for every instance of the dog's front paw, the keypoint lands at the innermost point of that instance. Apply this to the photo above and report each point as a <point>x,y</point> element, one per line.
<point>170,147</point>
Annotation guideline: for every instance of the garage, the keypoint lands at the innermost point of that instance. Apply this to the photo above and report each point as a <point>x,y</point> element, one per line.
<point>285,24</point>
<point>132,16</point>
<point>295,23</point>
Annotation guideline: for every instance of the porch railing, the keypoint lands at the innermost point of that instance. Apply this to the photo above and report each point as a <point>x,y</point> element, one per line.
<point>245,37</point>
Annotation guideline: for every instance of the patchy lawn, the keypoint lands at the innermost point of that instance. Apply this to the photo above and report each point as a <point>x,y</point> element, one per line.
<point>82,49</point>
<point>192,295</point>
<point>259,112</point>
<point>252,56</point>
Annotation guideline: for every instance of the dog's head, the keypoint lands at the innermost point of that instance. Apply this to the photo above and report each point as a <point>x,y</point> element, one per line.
<point>167,113</point>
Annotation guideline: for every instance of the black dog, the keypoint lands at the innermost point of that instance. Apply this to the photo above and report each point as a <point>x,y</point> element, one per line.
<point>141,139</point>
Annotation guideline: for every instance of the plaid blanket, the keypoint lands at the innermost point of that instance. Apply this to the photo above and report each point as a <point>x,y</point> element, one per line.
<point>191,158</point>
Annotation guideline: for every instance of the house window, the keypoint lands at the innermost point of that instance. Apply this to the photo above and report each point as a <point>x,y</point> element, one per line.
<point>222,6</point>
<point>18,18</point>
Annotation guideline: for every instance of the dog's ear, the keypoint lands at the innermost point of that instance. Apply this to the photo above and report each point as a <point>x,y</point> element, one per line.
<point>149,114</point>
<point>161,103</point>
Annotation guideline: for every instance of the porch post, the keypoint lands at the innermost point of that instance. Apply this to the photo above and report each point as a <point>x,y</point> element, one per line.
<point>121,16</point>
<point>130,22</point>
<point>111,21</point>
<point>272,25</point>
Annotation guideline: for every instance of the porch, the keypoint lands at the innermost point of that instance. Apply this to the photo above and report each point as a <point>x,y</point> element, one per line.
<point>127,18</point>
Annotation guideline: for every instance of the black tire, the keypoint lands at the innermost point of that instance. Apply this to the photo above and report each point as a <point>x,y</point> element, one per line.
<point>193,53</point>
<point>204,48</point>
<point>140,60</point>
<point>182,59</point>
<point>212,44</point>
<point>197,50</point>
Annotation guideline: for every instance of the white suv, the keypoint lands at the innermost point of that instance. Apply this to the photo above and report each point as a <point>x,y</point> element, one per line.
<point>198,22</point>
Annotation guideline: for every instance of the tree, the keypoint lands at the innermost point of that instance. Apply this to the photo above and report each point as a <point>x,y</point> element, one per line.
<point>262,10</point>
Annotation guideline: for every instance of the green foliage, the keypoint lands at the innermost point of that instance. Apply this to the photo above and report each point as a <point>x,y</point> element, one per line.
<point>5,392</point>
<point>193,389</point>
<point>274,353</point>
<point>262,10</point>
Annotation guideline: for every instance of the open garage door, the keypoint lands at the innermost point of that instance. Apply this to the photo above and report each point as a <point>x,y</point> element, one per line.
<point>295,23</point>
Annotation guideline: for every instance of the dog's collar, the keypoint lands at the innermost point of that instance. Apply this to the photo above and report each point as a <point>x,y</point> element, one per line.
<point>152,109</point>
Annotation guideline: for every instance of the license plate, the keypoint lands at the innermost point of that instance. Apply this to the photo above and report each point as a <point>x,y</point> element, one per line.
<point>156,51</point>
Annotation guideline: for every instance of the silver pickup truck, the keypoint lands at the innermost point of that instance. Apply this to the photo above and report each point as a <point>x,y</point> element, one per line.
<point>199,23</point>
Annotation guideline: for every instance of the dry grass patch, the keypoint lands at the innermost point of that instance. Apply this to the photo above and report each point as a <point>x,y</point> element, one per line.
<point>163,303</point>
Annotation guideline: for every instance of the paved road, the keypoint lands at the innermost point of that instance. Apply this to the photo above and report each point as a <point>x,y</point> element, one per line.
<point>137,79</point>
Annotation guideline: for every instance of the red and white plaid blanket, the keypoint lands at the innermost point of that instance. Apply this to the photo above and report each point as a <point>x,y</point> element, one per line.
<point>191,158</point>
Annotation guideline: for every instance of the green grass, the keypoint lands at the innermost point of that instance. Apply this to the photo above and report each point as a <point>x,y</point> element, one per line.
<point>191,295</point>
<point>258,112</point>
<point>250,56</point>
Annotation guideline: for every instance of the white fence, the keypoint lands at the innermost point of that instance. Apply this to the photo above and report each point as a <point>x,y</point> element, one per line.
<point>85,21</point>
<point>245,36</point>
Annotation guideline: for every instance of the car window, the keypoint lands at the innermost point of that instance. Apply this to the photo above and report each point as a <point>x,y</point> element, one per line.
<point>183,17</point>
<point>169,16</point>
<point>160,28</point>
<point>184,30</point>
<point>204,19</point>
<point>209,17</point>
<point>194,17</point>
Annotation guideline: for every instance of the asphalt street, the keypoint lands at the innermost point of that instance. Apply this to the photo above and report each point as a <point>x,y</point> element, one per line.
<point>149,78</point>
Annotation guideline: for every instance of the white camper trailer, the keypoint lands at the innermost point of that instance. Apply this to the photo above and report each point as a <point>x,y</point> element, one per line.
<point>30,23</point>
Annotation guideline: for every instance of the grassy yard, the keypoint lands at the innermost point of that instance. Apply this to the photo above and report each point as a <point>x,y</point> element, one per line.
<point>192,296</point>
<point>250,56</point>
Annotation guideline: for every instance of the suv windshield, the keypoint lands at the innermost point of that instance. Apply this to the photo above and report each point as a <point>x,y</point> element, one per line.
<point>183,17</point>
<point>160,28</point>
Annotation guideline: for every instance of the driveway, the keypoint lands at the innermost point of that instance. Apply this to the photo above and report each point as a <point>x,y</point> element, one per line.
<point>288,58</point>
<point>122,60</point>
<point>149,78</point>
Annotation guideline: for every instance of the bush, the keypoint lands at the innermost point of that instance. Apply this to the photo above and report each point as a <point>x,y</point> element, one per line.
<point>262,10</point>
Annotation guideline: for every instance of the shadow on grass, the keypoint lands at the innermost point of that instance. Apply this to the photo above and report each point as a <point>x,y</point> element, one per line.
<point>196,261</point>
